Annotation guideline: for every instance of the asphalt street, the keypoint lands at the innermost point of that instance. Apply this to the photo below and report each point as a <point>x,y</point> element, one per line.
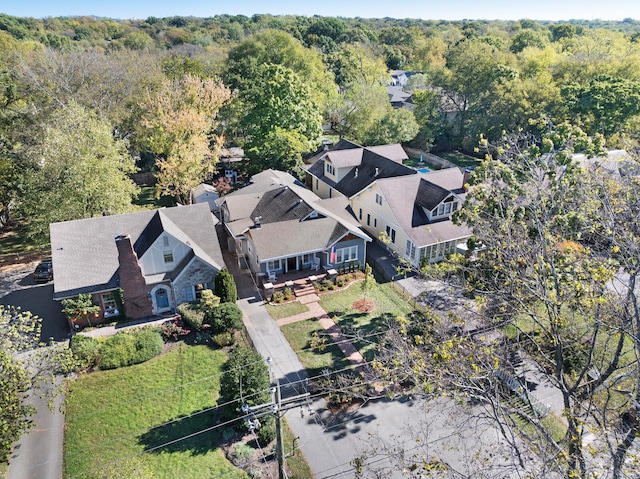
<point>38,453</point>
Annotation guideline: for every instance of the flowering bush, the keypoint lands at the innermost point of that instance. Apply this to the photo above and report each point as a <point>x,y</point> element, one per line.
<point>173,330</point>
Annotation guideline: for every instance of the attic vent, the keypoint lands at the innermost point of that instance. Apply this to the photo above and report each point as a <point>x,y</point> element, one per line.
<point>356,173</point>
<point>256,221</point>
<point>377,172</point>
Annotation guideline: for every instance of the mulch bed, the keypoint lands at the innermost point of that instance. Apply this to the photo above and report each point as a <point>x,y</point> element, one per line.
<point>364,305</point>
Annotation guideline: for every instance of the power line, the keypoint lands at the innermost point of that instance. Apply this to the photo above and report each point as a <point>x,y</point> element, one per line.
<point>188,436</point>
<point>213,376</point>
<point>314,396</point>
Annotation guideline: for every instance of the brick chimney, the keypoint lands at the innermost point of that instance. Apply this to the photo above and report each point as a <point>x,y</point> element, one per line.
<point>465,178</point>
<point>137,302</point>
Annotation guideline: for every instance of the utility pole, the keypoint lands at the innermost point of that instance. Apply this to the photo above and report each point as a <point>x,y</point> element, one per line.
<point>280,450</point>
<point>277,407</point>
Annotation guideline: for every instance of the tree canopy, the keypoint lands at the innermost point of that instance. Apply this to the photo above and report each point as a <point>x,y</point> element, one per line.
<point>78,166</point>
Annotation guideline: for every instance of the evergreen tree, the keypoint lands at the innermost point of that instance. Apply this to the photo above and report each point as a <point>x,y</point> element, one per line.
<point>226,287</point>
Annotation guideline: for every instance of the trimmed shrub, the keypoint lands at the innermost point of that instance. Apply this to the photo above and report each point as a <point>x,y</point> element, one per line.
<point>117,351</point>
<point>208,301</point>
<point>223,339</point>
<point>192,315</point>
<point>85,350</point>
<point>225,287</point>
<point>241,455</point>
<point>226,317</point>
<point>125,349</point>
<point>148,343</point>
<point>173,330</point>
<point>267,431</point>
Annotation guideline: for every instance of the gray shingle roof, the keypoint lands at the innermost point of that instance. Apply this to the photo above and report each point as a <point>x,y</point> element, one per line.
<point>345,158</point>
<point>301,237</point>
<point>408,194</point>
<point>372,167</point>
<point>85,255</point>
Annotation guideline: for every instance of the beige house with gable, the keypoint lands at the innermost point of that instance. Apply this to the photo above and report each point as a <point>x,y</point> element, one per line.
<point>413,208</point>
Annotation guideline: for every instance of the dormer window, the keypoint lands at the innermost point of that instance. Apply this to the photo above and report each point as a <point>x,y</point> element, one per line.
<point>331,170</point>
<point>446,208</point>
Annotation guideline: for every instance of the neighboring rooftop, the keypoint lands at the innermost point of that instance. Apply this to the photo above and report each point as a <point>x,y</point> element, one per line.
<point>383,161</point>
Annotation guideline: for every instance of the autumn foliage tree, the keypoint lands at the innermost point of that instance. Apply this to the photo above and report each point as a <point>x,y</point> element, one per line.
<point>178,127</point>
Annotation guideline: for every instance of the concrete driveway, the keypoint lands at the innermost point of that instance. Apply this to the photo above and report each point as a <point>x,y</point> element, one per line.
<point>331,440</point>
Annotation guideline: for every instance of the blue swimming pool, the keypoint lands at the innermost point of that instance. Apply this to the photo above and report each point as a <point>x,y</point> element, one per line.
<point>423,170</point>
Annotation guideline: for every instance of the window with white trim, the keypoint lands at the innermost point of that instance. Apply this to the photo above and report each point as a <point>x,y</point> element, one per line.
<point>378,199</point>
<point>308,258</point>
<point>274,265</point>
<point>109,305</point>
<point>360,214</point>
<point>368,219</point>
<point>193,293</point>
<point>410,251</point>
<point>198,289</point>
<point>168,256</point>
<point>347,254</point>
<point>331,170</point>
<point>392,234</point>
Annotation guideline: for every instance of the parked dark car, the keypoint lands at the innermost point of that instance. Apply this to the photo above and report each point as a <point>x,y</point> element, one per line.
<point>44,271</point>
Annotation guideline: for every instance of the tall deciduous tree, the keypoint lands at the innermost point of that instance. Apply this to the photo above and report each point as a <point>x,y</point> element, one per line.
<point>281,112</point>
<point>605,103</point>
<point>276,47</point>
<point>559,278</point>
<point>178,127</point>
<point>396,126</point>
<point>79,171</point>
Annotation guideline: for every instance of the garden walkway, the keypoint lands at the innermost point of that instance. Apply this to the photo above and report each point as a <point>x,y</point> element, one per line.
<point>332,329</point>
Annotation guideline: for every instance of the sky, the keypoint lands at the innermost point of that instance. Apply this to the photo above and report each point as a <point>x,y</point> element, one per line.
<point>425,9</point>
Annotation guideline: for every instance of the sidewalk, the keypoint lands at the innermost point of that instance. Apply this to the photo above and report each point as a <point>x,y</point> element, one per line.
<point>111,330</point>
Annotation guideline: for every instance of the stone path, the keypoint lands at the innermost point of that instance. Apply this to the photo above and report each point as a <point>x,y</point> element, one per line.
<point>334,331</point>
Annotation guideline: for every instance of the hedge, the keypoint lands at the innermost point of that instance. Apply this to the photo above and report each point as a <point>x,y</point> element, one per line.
<point>125,349</point>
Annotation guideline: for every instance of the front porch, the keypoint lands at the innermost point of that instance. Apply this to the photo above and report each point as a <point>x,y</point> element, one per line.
<point>297,280</point>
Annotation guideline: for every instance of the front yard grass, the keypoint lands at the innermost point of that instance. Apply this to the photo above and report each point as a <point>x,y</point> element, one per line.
<point>285,310</point>
<point>300,335</point>
<point>113,416</point>
<point>459,159</point>
<point>389,304</point>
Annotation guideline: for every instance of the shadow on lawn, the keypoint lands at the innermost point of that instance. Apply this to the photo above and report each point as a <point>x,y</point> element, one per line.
<point>195,433</point>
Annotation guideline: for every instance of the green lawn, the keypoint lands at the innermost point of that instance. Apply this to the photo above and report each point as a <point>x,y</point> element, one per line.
<point>147,198</point>
<point>279,311</point>
<point>115,415</point>
<point>16,245</point>
<point>389,304</point>
<point>459,159</point>
<point>296,463</point>
<point>315,360</point>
